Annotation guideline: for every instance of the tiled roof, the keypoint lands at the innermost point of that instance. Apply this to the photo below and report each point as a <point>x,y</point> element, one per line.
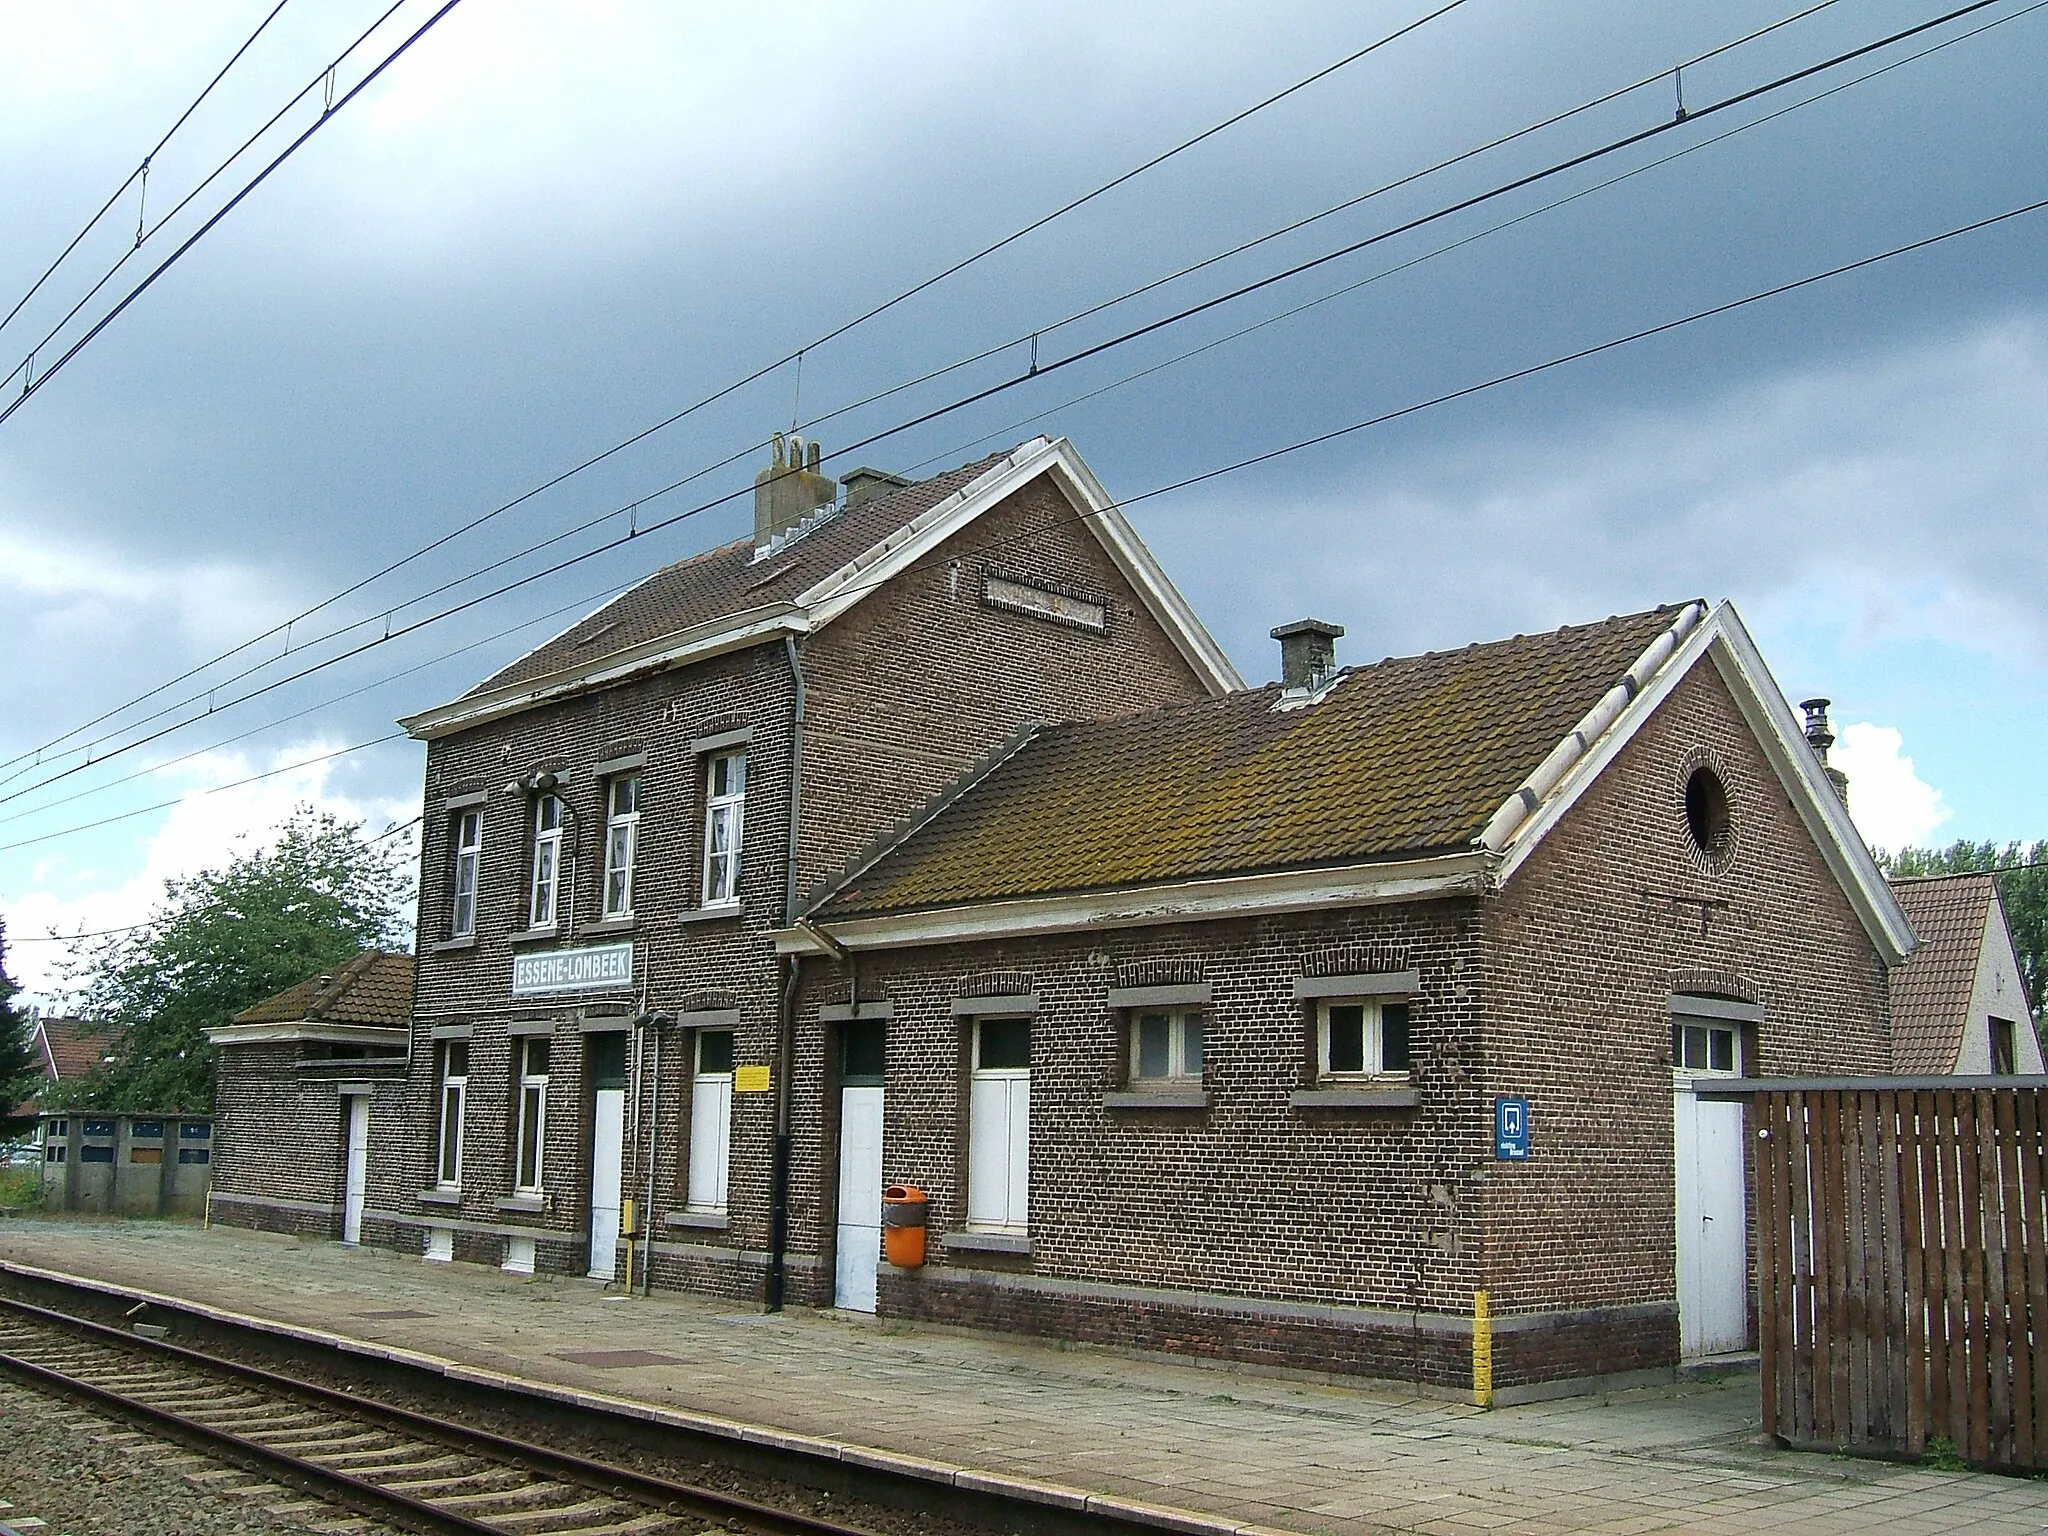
<point>373,988</point>
<point>728,581</point>
<point>1931,991</point>
<point>72,1047</point>
<point>1407,757</point>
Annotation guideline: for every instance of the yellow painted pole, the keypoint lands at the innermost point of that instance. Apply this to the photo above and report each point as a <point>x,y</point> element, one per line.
<point>1482,1351</point>
<point>627,1231</point>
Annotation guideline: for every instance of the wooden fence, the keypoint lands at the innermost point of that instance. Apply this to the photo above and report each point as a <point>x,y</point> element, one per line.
<point>1902,1269</point>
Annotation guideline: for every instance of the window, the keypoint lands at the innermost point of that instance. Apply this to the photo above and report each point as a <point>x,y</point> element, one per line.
<point>2004,1053</point>
<point>547,860</point>
<point>1708,821</point>
<point>621,844</point>
<point>454,1089</point>
<point>56,1153</point>
<point>725,798</point>
<point>469,832</point>
<point>1705,1048</point>
<point>1359,1037</point>
<point>533,1110</point>
<point>710,1121</point>
<point>999,1126</point>
<point>1166,1047</point>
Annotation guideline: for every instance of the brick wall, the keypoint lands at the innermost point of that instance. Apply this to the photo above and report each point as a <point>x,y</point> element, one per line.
<point>904,692</point>
<point>1585,946</point>
<point>278,1137</point>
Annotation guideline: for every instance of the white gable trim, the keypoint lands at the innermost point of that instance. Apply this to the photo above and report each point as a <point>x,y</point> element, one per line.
<point>733,632</point>
<point>924,533</point>
<point>304,1029</point>
<point>1722,638</point>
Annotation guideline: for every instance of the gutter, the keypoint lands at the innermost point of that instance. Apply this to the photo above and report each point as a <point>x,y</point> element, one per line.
<point>785,1015</point>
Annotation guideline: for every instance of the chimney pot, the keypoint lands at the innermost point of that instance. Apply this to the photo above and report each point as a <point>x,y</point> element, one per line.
<point>1308,652</point>
<point>1821,736</point>
<point>786,490</point>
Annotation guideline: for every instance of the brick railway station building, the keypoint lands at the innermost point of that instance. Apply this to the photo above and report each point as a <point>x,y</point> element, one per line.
<point>926,837</point>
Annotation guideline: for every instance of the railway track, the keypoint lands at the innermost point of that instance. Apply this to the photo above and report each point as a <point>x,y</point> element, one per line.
<point>402,1468</point>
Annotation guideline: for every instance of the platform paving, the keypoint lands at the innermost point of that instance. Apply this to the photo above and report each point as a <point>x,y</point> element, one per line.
<point>1233,1449</point>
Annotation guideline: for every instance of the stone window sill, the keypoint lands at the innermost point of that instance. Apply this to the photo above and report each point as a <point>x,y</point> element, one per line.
<point>536,935</point>
<point>449,946</point>
<point>989,1242</point>
<point>724,910</point>
<point>1391,1097</point>
<point>699,1221</point>
<point>608,925</point>
<point>1156,1098</point>
<point>523,1205</point>
<point>440,1197</point>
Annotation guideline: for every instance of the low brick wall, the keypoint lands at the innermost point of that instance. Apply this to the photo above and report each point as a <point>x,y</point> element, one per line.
<point>1430,1349</point>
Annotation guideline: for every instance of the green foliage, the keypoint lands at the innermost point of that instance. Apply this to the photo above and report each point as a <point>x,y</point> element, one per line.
<point>21,1189</point>
<point>20,1073</point>
<point>2022,871</point>
<point>228,938</point>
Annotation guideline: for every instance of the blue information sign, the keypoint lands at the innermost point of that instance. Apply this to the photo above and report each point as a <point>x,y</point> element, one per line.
<point>1511,1129</point>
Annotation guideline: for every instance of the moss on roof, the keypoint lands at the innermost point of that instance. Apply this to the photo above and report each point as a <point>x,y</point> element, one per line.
<point>373,988</point>
<point>1407,757</point>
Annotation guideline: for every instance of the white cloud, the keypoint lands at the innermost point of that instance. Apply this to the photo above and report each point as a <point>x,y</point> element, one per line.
<point>1892,805</point>
<point>73,893</point>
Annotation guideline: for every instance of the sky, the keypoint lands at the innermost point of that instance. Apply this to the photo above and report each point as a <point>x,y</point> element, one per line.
<point>544,229</point>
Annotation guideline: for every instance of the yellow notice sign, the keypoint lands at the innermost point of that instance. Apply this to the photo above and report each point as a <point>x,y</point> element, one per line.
<point>750,1079</point>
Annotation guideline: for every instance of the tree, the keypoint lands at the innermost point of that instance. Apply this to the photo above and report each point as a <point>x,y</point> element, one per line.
<point>20,1073</point>
<point>2022,872</point>
<point>225,939</point>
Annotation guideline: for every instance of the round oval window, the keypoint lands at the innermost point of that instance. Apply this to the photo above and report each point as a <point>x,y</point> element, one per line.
<point>1706,812</point>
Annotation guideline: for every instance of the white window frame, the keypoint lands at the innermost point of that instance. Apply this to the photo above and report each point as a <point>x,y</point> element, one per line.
<point>533,1117</point>
<point>1373,1067</point>
<point>621,844</point>
<point>724,813</point>
<point>545,887</point>
<point>469,842</point>
<point>707,1178</point>
<point>454,1099</point>
<point>1010,1085</point>
<point>1180,1023</point>
<point>1688,1031</point>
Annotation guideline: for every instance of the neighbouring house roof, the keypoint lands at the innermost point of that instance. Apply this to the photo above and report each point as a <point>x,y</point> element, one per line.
<point>1931,991</point>
<point>374,989</point>
<point>726,598</point>
<point>1406,758</point>
<point>1419,776</point>
<point>72,1047</point>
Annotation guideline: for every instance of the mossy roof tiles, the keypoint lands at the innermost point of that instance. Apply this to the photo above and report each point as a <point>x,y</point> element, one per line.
<point>1408,757</point>
<point>373,988</point>
<point>728,581</point>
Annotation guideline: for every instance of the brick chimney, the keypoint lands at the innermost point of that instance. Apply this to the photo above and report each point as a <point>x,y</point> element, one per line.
<point>864,484</point>
<point>1308,652</point>
<point>1820,736</point>
<point>789,489</point>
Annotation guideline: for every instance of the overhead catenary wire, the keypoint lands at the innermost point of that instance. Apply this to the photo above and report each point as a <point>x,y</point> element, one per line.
<point>762,372</point>
<point>1464,240</point>
<point>1243,290</point>
<point>1034,371</point>
<point>1334,434</point>
<point>141,170</point>
<point>327,703</point>
<point>32,385</point>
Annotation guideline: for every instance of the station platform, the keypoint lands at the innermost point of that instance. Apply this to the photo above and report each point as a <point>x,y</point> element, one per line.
<point>1208,1450</point>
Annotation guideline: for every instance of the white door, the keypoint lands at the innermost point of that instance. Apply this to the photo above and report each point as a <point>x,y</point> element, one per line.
<point>1713,1228</point>
<point>859,1247</point>
<point>607,1153</point>
<point>999,1150</point>
<point>356,1175</point>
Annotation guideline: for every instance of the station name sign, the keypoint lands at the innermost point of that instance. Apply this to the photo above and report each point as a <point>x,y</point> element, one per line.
<point>591,969</point>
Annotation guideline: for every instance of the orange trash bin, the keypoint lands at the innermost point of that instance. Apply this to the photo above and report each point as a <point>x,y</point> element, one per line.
<point>903,1215</point>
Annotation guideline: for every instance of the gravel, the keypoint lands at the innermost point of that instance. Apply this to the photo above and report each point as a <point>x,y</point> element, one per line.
<point>89,1475</point>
